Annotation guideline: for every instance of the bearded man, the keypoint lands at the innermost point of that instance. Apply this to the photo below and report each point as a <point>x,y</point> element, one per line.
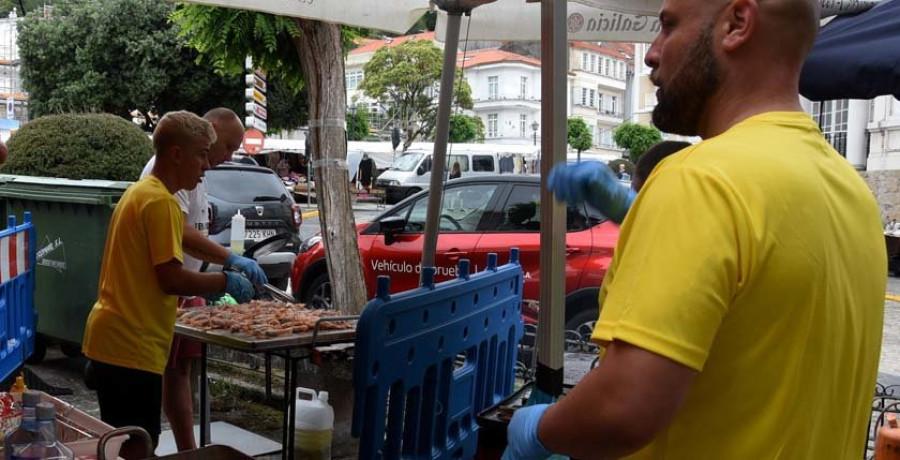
<point>742,313</point>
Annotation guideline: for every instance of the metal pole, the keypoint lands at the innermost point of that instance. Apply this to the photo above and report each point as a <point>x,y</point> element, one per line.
<point>551,315</point>
<point>451,45</point>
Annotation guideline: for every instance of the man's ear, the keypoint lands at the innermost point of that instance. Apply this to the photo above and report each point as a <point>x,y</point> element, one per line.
<point>739,21</point>
<point>177,154</point>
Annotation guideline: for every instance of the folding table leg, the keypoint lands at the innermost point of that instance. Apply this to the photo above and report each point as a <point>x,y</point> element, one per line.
<point>204,397</point>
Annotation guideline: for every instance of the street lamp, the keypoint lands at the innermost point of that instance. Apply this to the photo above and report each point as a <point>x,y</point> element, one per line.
<point>534,127</point>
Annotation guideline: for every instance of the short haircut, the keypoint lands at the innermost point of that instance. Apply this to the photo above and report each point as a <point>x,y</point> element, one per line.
<point>654,155</point>
<point>179,128</point>
<point>221,114</point>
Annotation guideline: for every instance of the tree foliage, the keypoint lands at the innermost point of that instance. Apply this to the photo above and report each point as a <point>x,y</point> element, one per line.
<point>466,128</point>
<point>88,146</point>
<point>116,56</point>
<point>305,54</point>
<point>404,77</point>
<point>580,137</point>
<point>6,6</point>
<point>636,138</point>
<point>357,123</point>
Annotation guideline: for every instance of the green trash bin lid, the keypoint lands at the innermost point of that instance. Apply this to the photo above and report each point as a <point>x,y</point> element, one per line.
<point>97,192</point>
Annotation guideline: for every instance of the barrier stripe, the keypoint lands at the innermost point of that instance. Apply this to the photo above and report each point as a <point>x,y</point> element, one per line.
<point>895,298</point>
<point>21,252</point>
<point>13,255</point>
<point>4,259</point>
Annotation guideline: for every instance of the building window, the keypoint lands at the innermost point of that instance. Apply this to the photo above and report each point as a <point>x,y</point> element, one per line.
<point>592,95</point>
<point>606,72</point>
<point>593,63</point>
<point>493,87</point>
<point>523,86</point>
<point>585,65</point>
<point>492,125</point>
<point>613,105</point>
<point>354,78</point>
<point>584,96</point>
<point>600,101</point>
<point>622,71</point>
<point>523,125</point>
<point>832,120</point>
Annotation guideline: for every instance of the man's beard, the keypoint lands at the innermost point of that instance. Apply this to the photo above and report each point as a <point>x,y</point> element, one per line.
<point>681,102</point>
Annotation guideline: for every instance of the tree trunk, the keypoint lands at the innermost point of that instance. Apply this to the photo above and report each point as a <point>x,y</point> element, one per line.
<point>322,56</point>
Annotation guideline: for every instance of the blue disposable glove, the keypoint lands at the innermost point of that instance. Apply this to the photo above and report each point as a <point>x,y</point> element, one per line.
<point>594,183</point>
<point>238,287</point>
<point>250,268</point>
<point>522,434</point>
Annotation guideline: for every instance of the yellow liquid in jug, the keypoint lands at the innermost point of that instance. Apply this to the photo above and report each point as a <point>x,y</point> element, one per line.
<point>312,444</point>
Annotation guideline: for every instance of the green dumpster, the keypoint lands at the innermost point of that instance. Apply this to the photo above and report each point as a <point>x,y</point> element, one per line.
<point>71,218</point>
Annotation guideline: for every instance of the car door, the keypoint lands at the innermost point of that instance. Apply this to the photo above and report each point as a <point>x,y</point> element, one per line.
<point>519,225</point>
<point>464,208</point>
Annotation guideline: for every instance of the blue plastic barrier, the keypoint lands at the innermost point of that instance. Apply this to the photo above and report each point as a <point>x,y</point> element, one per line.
<point>429,360</point>
<point>17,317</point>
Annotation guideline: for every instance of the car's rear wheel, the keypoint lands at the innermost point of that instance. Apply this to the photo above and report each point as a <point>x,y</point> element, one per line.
<point>578,330</point>
<point>318,295</point>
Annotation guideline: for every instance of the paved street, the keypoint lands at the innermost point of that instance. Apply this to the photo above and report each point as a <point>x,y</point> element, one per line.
<point>890,348</point>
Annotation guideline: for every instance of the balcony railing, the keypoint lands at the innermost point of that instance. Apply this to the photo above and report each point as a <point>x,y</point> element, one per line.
<point>507,98</point>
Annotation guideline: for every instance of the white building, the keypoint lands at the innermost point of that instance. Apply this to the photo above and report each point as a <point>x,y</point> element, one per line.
<point>354,73</point>
<point>506,89</point>
<point>506,92</point>
<point>598,81</point>
<point>13,97</point>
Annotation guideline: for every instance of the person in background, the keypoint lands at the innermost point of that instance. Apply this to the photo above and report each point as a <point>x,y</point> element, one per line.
<point>130,328</point>
<point>366,172</point>
<point>177,398</point>
<point>652,157</point>
<point>455,172</point>
<point>733,289</point>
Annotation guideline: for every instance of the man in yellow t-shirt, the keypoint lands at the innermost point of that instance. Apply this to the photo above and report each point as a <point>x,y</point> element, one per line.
<point>130,327</point>
<point>742,313</point>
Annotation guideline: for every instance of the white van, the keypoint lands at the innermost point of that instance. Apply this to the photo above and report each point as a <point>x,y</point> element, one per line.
<point>411,172</point>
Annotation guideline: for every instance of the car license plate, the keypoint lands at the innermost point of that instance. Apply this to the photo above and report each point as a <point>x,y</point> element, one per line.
<point>260,234</point>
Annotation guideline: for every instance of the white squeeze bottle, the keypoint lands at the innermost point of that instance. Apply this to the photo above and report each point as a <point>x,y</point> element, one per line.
<point>313,426</point>
<point>237,233</point>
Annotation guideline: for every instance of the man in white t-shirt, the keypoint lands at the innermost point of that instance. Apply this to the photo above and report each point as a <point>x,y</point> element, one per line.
<point>198,248</point>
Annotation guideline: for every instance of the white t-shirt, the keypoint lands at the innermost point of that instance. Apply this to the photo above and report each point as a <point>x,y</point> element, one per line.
<point>194,205</point>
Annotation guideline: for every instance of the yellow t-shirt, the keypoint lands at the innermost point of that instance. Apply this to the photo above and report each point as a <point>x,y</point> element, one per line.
<point>757,258</point>
<point>133,320</point>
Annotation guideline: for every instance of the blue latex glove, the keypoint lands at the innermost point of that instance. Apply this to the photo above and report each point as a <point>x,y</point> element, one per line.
<point>594,183</point>
<point>522,434</point>
<point>238,287</point>
<point>250,268</point>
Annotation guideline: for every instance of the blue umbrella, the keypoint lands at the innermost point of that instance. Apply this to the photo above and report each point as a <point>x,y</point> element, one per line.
<point>856,57</point>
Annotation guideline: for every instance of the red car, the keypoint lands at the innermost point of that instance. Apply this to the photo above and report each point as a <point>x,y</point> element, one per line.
<point>480,215</point>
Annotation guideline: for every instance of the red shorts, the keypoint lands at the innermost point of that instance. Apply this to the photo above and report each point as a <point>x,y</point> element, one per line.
<point>182,347</point>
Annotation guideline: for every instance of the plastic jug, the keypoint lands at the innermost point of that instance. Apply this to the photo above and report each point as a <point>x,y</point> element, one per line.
<point>237,233</point>
<point>313,425</point>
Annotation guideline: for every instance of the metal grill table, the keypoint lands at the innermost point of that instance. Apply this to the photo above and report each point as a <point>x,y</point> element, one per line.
<point>290,347</point>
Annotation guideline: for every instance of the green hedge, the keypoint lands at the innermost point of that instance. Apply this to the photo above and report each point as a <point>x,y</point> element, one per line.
<point>82,146</point>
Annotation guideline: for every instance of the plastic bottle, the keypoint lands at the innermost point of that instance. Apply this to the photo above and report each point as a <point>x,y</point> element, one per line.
<point>19,385</point>
<point>27,431</point>
<point>313,426</point>
<point>237,233</point>
<point>887,441</point>
<point>45,446</point>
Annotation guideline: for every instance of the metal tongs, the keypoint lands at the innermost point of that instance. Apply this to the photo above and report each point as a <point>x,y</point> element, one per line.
<point>276,293</point>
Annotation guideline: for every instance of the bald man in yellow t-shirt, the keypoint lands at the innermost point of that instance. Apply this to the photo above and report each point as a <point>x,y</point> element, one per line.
<point>742,313</point>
